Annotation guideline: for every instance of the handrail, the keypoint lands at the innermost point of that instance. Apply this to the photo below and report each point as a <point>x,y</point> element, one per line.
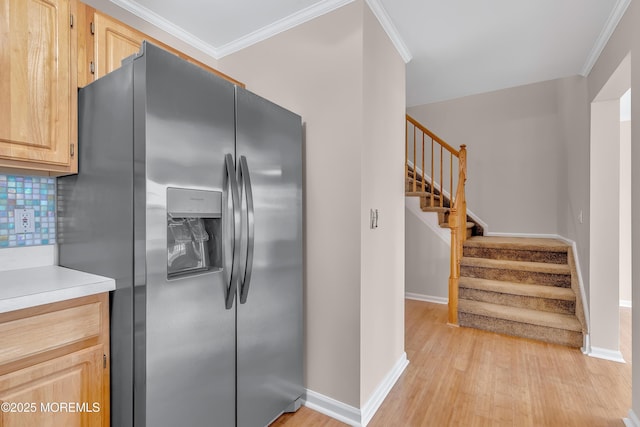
<point>457,199</point>
<point>432,135</point>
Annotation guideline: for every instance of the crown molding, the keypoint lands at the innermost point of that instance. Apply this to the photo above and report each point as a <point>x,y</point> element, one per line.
<point>281,25</point>
<point>264,33</point>
<point>391,30</point>
<point>284,24</point>
<point>610,26</point>
<point>166,26</point>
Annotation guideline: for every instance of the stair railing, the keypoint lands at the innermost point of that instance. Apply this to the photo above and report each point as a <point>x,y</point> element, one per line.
<point>423,141</point>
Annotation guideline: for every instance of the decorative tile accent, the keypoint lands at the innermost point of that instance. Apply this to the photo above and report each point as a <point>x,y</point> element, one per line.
<point>27,192</point>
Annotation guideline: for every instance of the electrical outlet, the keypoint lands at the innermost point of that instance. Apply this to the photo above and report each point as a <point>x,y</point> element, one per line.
<point>24,220</point>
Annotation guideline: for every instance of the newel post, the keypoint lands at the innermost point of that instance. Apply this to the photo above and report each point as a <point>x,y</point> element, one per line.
<point>454,274</point>
<point>461,199</point>
<point>458,225</point>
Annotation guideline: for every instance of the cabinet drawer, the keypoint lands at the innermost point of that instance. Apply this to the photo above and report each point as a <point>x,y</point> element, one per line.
<point>30,336</point>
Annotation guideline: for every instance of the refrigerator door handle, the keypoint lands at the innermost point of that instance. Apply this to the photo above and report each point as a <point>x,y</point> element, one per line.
<point>248,193</point>
<point>235,200</point>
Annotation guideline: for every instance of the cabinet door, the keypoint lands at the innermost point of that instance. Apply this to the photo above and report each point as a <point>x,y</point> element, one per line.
<point>66,391</point>
<point>114,41</point>
<point>38,84</point>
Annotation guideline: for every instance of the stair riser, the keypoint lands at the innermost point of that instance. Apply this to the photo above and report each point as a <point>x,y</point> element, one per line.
<point>540,333</point>
<point>425,202</point>
<point>408,187</point>
<point>535,303</point>
<point>516,255</point>
<point>530,277</point>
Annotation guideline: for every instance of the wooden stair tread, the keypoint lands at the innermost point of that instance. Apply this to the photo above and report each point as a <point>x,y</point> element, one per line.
<point>517,243</point>
<point>522,289</point>
<point>435,209</point>
<point>538,267</point>
<point>446,224</point>
<point>520,315</point>
<point>421,194</point>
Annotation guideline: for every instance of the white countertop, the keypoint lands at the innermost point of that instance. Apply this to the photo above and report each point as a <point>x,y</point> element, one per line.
<point>29,287</point>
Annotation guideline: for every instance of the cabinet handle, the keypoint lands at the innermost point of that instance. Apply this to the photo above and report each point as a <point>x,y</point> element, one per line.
<point>72,149</point>
<point>92,68</point>
<point>71,21</point>
<point>104,361</point>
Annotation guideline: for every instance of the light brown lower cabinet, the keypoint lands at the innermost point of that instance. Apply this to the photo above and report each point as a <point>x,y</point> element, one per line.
<point>54,364</point>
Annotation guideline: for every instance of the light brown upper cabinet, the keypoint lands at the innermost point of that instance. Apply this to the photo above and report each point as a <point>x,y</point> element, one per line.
<point>38,83</point>
<point>114,41</point>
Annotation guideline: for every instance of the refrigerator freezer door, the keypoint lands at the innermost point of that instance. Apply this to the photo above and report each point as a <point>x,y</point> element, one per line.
<point>270,324</point>
<point>189,334</point>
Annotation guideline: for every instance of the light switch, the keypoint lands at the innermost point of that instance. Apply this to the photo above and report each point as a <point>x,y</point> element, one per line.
<point>24,221</point>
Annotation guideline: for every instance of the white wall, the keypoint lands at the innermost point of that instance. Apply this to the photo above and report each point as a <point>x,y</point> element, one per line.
<point>426,260</point>
<point>573,176</point>
<point>625,39</point>
<point>634,16</point>
<point>604,225</point>
<point>625,213</point>
<point>382,184</point>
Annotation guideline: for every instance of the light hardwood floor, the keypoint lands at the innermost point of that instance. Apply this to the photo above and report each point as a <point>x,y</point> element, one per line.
<point>467,377</point>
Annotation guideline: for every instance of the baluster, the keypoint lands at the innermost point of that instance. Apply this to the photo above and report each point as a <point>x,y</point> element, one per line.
<point>406,150</point>
<point>432,175</point>
<point>423,183</point>
<point>451,179</point>
<point>441,182</point>
<point>415,169</point>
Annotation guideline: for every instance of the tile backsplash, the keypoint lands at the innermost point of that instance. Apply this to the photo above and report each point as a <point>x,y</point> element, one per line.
<point>27,192</point>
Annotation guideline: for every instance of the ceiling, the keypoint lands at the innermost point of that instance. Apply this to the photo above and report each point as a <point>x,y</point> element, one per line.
<point>453,48</point>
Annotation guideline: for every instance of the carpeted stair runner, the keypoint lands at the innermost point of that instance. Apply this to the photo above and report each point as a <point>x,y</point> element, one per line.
<point>473,228</point>
<point>520,287</point>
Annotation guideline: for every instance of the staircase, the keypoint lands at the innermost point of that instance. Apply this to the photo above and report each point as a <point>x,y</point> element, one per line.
<point>521,287</point>
<point>524,287</point>
<point>430,202</point>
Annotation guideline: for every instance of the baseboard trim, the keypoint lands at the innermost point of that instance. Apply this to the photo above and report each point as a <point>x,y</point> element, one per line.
<point>606,354</point>
<point>426,298</point>
<point>349,414</point>
<point>373,404</point>
<point>332,408</point>
<point>583,293</point>
<point>633,420</point>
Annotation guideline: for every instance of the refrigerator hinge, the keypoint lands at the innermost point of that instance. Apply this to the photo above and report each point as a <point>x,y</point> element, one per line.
<point>104,361</point>
<point>294,406</point>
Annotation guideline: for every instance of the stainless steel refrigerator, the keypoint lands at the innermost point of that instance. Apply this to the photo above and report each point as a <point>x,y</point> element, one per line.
<point>189,194</point>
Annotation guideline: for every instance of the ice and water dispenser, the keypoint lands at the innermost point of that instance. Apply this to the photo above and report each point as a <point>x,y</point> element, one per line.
<point>194,231</point>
